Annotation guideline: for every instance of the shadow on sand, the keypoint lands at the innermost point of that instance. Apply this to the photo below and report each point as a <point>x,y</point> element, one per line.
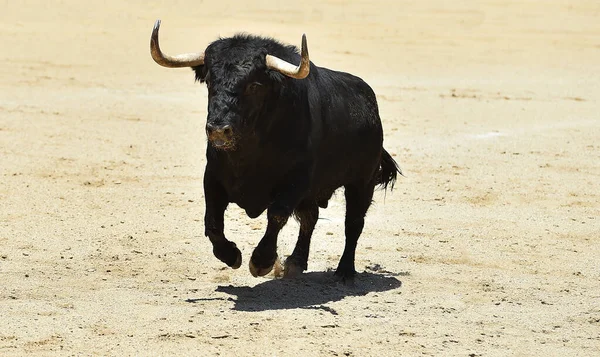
<point>309,291</point>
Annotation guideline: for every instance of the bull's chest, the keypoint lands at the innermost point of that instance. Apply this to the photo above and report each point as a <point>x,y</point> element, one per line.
<point>250,193</point>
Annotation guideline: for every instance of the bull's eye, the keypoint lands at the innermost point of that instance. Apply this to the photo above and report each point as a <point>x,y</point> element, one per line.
<point>252,88</point>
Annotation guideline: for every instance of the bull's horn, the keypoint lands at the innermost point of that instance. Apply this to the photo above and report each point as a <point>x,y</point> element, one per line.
<point>183,60</point>
<point>299,72</point>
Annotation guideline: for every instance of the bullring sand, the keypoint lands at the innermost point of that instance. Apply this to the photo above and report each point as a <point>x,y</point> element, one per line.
<point>488,246</point>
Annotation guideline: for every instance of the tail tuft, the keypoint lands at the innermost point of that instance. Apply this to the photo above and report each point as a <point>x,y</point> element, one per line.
<point>388,171</point>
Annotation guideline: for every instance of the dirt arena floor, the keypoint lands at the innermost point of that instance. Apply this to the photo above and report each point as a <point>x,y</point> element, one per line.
<point>488,246</point>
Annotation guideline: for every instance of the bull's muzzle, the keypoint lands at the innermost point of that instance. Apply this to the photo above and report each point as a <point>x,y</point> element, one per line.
<point>220,136</point>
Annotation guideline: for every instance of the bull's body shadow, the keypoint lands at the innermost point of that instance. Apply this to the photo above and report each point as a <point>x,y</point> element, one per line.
<point>307,291</point>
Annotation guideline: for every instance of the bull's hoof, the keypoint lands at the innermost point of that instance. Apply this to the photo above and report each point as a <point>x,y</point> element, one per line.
<point>229,254</point>
<point>259,266</point>
<point>238,260</point>
<point>345,276</point>
<point>259,271</point>
<point>292,268</point>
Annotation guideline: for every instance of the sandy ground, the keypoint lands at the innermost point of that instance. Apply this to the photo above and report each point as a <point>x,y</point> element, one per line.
<point>488,246</point>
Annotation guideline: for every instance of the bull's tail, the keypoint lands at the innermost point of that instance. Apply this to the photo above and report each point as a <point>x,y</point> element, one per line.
<point>388,171</point>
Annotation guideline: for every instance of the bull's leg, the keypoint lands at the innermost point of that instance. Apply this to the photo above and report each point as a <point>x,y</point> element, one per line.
<point>296,263</point>
<point>216,202</point>
<point>265,254</point>
<point>358,200</point>
<point>286,200</point>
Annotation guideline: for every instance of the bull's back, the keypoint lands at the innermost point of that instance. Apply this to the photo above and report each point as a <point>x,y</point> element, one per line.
<point>347,129</point>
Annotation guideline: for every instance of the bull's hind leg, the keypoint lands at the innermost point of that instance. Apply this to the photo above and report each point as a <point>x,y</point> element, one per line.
<point>358,200</point>
<point>295,264</point>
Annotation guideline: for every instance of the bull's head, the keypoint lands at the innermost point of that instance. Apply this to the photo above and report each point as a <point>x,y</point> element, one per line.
<point>239,79</point>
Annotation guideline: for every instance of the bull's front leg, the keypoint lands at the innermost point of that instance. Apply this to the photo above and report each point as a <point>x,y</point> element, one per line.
<point>216,202</point>
<point>288,197</point>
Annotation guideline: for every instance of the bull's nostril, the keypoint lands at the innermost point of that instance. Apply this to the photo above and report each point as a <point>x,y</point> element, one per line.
<point>227,130</point>
<point>210,128</point>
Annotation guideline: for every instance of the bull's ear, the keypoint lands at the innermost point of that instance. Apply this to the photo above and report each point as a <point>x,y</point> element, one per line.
<point>200,73</point>
<point>275,76</point>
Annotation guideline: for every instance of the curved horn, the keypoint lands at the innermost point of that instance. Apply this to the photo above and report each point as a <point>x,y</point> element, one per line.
<point>183,60</point>
<point>299,72</point>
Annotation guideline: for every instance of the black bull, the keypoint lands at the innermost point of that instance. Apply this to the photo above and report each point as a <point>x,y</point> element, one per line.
<point>284,143</point>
